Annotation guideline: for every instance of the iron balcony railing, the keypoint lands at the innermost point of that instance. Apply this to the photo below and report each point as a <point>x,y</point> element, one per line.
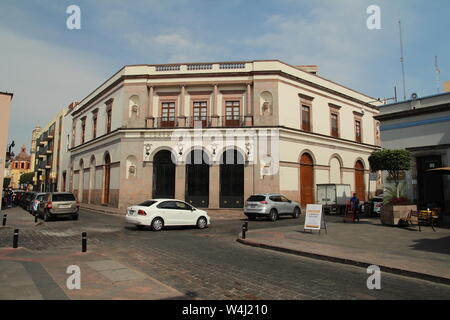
<point>205,122</point>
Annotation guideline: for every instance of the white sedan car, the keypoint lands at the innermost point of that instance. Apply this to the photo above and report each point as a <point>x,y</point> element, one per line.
<point>159,213</point>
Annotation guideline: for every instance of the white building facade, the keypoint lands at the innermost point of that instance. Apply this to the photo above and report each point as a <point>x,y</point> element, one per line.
<point>214,133</point>
<point>422,126</point>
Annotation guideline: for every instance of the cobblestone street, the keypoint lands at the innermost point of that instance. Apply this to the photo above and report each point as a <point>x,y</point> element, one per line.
<point>210,264</point>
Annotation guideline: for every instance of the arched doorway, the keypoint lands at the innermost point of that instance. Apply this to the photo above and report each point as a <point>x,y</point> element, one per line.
<point>231,179</point>
<point>163,175</point>
<point>107,178</point>
<point>197,178</point>
<point>306,179</point>
<point>359,181</point>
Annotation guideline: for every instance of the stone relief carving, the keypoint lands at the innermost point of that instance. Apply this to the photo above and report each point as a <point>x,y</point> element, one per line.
<point>147,148</point>
<point>266,101</point>
<point>134,106</point>
<point>131,167</point>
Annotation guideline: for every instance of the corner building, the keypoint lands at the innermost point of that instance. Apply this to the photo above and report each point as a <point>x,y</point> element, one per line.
<point>120,142</point>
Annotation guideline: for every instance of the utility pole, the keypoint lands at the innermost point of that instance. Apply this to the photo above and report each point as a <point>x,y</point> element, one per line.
<point>402,60</point>
<point>438,74</point>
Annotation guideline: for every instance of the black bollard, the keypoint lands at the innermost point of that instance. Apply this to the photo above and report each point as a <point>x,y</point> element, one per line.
<point>35,217</point>
<point>84,242</point>
<point>4,219</point>
<point>244,229</point>
<point>16,238</point>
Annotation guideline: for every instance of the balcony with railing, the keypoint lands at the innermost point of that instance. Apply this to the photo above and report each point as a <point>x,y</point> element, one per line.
<point>204,122</point>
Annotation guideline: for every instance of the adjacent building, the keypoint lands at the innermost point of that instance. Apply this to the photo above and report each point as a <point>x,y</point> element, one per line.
<point>422,126</point>
<point>5,109</point>
<point>19,165</point>
<point>215,133</point>
<point>47,154</point>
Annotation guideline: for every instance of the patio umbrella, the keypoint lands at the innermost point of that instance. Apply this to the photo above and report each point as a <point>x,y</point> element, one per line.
<point>445,170</point>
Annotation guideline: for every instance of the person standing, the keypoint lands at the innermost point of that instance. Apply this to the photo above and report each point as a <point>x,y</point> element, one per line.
<point>354,203</point>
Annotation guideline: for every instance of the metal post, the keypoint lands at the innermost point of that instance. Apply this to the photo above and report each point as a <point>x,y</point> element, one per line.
<point>35,217</point>
<point>84,242</point>
<point>4,219</point>
<point>16,238</point>
<point>244,229</point>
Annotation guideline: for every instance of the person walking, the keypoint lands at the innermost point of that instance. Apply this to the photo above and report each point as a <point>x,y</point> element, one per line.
<point>354,203</point>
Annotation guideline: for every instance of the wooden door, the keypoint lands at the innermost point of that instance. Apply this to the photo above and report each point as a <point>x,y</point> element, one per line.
<point>359,181</point>
<point>306,180</point>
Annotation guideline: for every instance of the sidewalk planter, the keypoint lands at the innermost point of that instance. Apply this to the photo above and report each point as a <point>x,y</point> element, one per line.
<point>392,214</point>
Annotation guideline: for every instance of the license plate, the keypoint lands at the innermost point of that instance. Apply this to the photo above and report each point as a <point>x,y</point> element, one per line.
<point>65,207</point>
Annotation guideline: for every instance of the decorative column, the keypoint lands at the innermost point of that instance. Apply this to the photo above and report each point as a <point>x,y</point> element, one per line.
<point>214,116</point>
<point>181,111</point>
<point>180,181</point>
<point>150,119</point>
<point>249,108</point>
<point>214,185</point>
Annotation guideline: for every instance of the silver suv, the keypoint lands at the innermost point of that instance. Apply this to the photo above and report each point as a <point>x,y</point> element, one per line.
<point>59,204</point>
<point>271,206</point>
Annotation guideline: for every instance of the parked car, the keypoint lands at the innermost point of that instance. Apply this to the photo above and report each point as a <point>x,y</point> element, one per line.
<point>34,203</point>
<point>59,204</point>
<point>271,206</point>
<point>159,213</point>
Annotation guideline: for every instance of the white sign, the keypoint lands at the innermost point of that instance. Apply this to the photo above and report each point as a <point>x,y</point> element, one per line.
<point>313,220</point>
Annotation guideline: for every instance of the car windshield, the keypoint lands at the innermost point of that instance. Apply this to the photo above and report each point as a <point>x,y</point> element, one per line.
<point>256,198</point>
<point>63,197</point>
<point>147,203</point>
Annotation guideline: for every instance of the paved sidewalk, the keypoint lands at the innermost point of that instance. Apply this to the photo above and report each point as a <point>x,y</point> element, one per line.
<point>406,251</point>
<point>42,274</point>
<point>33,275</point>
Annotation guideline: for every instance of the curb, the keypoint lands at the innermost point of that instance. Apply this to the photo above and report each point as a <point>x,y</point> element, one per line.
<point>407,273</point>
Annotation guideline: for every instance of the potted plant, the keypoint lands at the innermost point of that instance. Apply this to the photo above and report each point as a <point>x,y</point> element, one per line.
<point>396,205</point>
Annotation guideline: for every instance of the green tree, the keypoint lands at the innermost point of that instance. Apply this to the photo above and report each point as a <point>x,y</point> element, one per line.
<point>26,178</point>
<point>392,161</point>
<point>6,182</point>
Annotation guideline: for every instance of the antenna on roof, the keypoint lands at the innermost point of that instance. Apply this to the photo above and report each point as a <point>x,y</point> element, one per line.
<point>438,74</point>
<point>402,60</point>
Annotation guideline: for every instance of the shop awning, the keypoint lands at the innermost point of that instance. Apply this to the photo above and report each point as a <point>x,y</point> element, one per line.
<point>445,170</point>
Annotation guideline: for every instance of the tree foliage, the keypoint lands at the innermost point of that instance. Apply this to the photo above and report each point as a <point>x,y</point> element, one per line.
<point>6,182</point>
<point>27,178</point>
<point>392,161</point>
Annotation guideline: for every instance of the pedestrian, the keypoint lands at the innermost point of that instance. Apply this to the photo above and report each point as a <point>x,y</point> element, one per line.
<point>354,204</point>
<point>9,198</point>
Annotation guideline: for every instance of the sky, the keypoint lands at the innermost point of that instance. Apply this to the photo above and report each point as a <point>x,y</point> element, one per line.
<point>47,66</point>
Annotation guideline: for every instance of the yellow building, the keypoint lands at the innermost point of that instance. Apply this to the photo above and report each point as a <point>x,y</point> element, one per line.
<point>20,165</point>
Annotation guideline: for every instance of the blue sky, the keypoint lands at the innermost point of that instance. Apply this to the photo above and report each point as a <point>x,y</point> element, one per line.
<point>48,66</point>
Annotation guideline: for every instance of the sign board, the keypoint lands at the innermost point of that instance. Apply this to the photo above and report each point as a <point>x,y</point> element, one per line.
<point>373,176</point>
<point>313,219</point>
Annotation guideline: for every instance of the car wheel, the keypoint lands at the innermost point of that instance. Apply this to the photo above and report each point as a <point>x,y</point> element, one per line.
<point>273,215</point>
<point>202,223</point>
<point>157,224</point>
<point>296,213</point>
<point>47,216</point>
